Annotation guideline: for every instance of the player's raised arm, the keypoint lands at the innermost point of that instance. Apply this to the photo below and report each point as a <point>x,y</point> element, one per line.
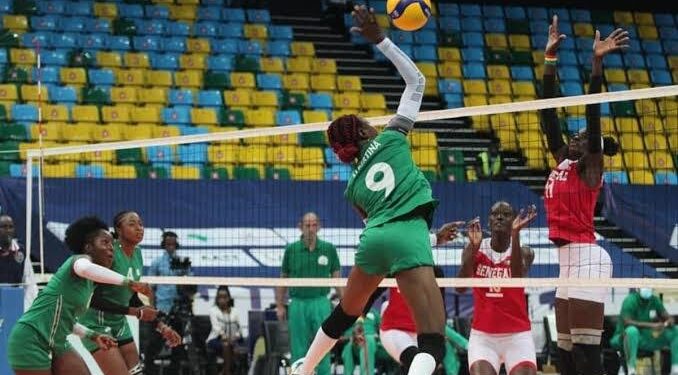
<point>520,258</point>
<point>475,236</point>
<point>549,118</point>
<point>410,102</point>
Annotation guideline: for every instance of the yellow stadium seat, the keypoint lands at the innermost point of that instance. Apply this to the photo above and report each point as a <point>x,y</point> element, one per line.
<point>349,83</point>
<point>85,113</point>
<point>474,100</point>
<point>166,131</point>
<point>198,45</point>
<point>185,172</point>
<point>60,170</point>
<point>130,77</point>
<point>119,171</point>
<point>265,98</point>
<point>668,107</point>
<point>8,92</point>
<point>76,76</point>
<point>527,120</point>
<point>154,95</point>
<point>124,94</point>
<point>450,70</point>
<point>539,71</point>
<point>623,18</point>
<point>300,64</point>
<point>29,93</point>
<point>427,69</point>
<point>281,155</point>
<point>651,124</point>
<point>627,125</point>
<point>296,82</point>
<point>310,155</point>
<point>638,76</point>
<point>373,112</point>
<point>51,131</point>
<point>324,66</point>
<point>284,139</point>
<point>252,154</point>
<point>631,142</point>
<point>323,82</point>
<point>243,80</point>
<point>646,107</point>
<point>109,59</point>
<point>24,147</point>
<point>507,139</point>
<point>115,114</point>
<point>21,56</point>
<point>613,163</point>
<point>107,133</point>
<point>193,61</point>
<point>204,116</point>
<point>575,110</point>
<point>673,62</point>
<point>642,177</point>
<point>519,41</point>
<point>661,160</point>
<point>431,86</point>
<point>615,75</point>
<point>425,157</point>
<point>635,160</point>
<point>107,156</point>
<point>237,98</point>
<point>423,139</point>
<point>81,132</point>
<point>347,101</point>
<point>260,117</point>
<point>308,172</point>
<point>105,10</point>
<point>160,78</point>
<point>263,140</point>
<point>607,126</point>
<point>182,12</point>
<point>499,99</point>
<point>15,22</point>
<point>222,153</point>
<point>272,65</point>
<point>503,121</point>
<point>342,112</point>
<point>255,31</point>
<point>523,88</point>
<point>656,142</point>
<point>136,60</point>
<point>498,72</point>
<point>302,49</point>
<point>535,158</point>
<point>538,56</point>
<point>583,29</point>
<point>188,78</point>
<point>145,115</point>
<point>383,21</point>
<point>449,54</point>
<point>372,101</point>
<point>647,32</point>
<point>499,86</point>
<point>315,116</point>
<point>55,112</point>
<point>643,18</point>
<point>475,86</point>
<point>136,132</point>
<point>496,40</point>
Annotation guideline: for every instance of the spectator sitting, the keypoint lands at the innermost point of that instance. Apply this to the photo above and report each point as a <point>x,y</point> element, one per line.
<point>12,256</point>
<point>490,164</point>
<point>225,333</point>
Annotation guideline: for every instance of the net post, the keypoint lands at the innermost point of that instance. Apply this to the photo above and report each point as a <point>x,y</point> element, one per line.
<point>29,206</point>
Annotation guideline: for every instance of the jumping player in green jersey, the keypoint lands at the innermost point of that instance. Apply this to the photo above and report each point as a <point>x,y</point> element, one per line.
<point>110,303</point>
<point>395,200</point>
<point>37,344</point>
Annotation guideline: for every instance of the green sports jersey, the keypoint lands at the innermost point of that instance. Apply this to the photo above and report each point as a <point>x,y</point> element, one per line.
<point>59,304</point>
<point>636,308</point>
<point>299,261</point>
<point>130,267</point>
<point>386,183</point>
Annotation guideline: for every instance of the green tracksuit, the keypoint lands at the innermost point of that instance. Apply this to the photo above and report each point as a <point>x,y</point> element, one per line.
<point>369,351</point>
<point>451,361</point>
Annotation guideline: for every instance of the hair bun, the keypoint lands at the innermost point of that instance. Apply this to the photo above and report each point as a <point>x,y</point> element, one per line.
<point>610,146</point>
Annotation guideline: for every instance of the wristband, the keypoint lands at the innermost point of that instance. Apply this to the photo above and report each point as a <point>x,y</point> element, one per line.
<point>554,56</point>
<point>550,60</point>
<point>126,281</point>
<point>140,314</point>
<point>433,238</point>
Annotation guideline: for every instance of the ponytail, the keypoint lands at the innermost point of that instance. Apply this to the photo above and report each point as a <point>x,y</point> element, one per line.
<point>610,146</point>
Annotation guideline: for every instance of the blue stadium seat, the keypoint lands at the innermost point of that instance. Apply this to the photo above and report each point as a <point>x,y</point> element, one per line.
<point>425,53</point>
<point>668,32</point>
<point>634,60</point>
<point>448,9</point>
<point>634,46</point>
<point>192,130</point>
<point>213,2</point>
<point>605,29</point>
<point>72,24</point>
<point>539,41</point>
<point>209,13</point>
<point>379,6</point>
<point>156,11</point>
<point>98,25</point>
<point>575,123</point>
<point>174,44</point>
<point>567,44</point>
<point>288,117</point>
<point>93,41</point>
<point>176,115</point>
<point>31,40</point>
<point>665,178</point>
<point>400,37</point>
<point>101,77</point>
<point>249,47</point>
<point>130,10</point>
<point>258,16</point>
<point>656,61</point>
<point>472,54</point>
<point>613,60</point>
<point>19,170</point>
<point>63,94</point>
<point>651,46</point>
<point>205,29</point>
<point>210,98</point>
<point>3,56</point>
<point>165,61</point>
<point>605,110</point>
<point>540,27</point>
<point>233,15</point>
<point>280,32</point>
<point>269,81</point>
<point>495,25</point>
<point>660,77</point>
<point>178,96</point>
<point>89,171</point>
<point>633,32</point>
<point>153,27</point>
<point>565,27</point>
<point>193,153</point>
<point>663,19</point>
<point>51,7</point>
<point>24,112</point>
<point>454,100</point>
<point>338,172</point>
<point>474,71</point>
<point>571,88</point>
<point>470,10</point>
<point>563,14</point>
<point>220,63</point>
<point>160,154</point>
<point>583,43</point>
<point>331,157</point>
<point>177,28</point>
<point>567,58</point>
<point>522,73</point>
<point>581,15</point>
<point>449,24</point>
<point>118,43</point>
<point>278,48</point>
<point>320,101</point>
<point>495,11</point>
<point>616,177</point>
<point>472,24</point>
<point>612,87</point>
<point>66,41</point>
<point>48,74</point>
<point>515,12</point>
<point>44,23</point>
<point>569,73</point>
<point>473,39</point>
<point>538,14</point>
<point>670,47</point>
<point>80,8</point>
<point>147,43</point>
<point>450,86</point>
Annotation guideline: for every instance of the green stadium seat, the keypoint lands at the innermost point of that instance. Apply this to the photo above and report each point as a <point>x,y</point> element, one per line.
<point>131,155</point>
<point>27,7</point>
<point>215,173</point>
<point>451,39</point>
<point>273,173</point>
<point>451,158</point>
<point>13,132</point>
<point>123,26</point>
<point>16,74</point>
<point>501,57</point>
<point>454,174</point>
<point>245,63</point>
<point>8,39</point>
<point>431,176</point>
<point>521,57</point>
<point>312,139</point>
<point>4,168</point>
<point>293,100</point>
<point>82,59</point>
<point>5,151</point>
<point>623,109</point>
<point>94,95</point>
<point>146,171</point>
<point>3,113</point>
<point>232,117</point>
<point>216,80</point>
<point>246,173</point>
<point>602,17</point>
<point>518,27</point>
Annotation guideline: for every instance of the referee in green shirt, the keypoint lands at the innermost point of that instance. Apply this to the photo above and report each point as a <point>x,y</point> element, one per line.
<point>308,307</point>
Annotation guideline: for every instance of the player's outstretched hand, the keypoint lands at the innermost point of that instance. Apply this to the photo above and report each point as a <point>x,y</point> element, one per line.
<point>617,40</point>
<point>172,338</point>
<point>146,313</point>
<point>475,232</point>
<point>524,218</point>
<point>555,37</point>
<point>366,24</point>
<point>448,232</point>
<point>105,342</point>
<point>142,288</point>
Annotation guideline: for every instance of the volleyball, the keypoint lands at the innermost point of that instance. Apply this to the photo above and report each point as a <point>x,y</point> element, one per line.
<point>409,15</point>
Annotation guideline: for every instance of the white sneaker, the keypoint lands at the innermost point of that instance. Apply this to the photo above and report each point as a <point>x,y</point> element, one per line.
<point>295,369</point>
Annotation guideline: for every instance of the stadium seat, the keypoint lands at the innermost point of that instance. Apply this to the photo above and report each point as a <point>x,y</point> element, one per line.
<point>237,98</point>
<point>260,117</point>
<point>300,64</point>
<point>320,101</point>
<point>176,115</point>
<point>115,114</point>
<point>302,49</point>
<point>265,98</point>
<point>627,125</point>
<point>160,154</point>
<point>347,101</point>
<point>666,178</point>
<point>638,76</point>
<point>349,83</point>
<point>166,131</point>
<point>145,115</point>
<point>288,117</point>
<point>255,31</point>
<point>17,23</point>
<point>661,160</point>
<point>157,95</point>
<point>660,77</point>
<point>636,160</point>
<point>136,132</point>
<point>642,177</point>
<point>616,177</point>
<point>85,113</point>
<point>189,78</point>
<point>324,66</point>
<point>107,133</point>
<point>81,132</point>
<point>278,48</point>
<point>296,82</point>
<point>210,98</point>
<point>309,172</point>
<point>631,142</point>
<point>185,172</point>
<point>499,87</point>
<point>192,154</point>
<point>204,116</point>
<point>315,116</point>
<point>281,155</point>
<point>180,97</point>
<point>222,154</point>
<point>124,95</point>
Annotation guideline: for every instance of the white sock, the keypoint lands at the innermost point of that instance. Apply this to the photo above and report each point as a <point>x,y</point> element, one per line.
<point>422,364</point>
<point>631,371</point>
<point>674,369</point>
<point>321,345</point>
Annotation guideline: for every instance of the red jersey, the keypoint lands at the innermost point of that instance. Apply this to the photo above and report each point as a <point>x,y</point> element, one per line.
<point>496,309</point>
<point>569,204</point>
<point>397,314</point>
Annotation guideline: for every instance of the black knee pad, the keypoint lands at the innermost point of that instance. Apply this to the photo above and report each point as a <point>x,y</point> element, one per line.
<point>337,323</point>
<point>587,359</point>
<point>407,356</point>
<point>433,344</point>
<point>565,362</point>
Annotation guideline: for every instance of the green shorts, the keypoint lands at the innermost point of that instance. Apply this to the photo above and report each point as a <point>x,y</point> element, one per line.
<point>28,350</point>
<point>394,246</point>
<point>120,331</point>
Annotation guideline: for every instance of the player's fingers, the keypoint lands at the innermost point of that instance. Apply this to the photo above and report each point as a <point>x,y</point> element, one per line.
<point>597,36</point>
<point>356,29</point>
<point>562,36</point>
<point>554,22</point>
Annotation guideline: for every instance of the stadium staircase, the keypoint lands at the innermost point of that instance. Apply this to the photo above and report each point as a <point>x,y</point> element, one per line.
<point>330,41</point>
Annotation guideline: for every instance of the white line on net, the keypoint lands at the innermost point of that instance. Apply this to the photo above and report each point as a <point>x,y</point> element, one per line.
<point>532,105</point>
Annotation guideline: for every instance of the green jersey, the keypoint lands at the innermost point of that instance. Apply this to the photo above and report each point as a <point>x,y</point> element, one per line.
<point>636,308</point>
<point>300,261</point>
<point>130,267</point>
<point>386,184</point>
<point>58,306</point>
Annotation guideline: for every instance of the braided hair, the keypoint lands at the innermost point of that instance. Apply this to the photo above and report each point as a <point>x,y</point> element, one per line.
<point>344,136</point>
<point>117,221</point>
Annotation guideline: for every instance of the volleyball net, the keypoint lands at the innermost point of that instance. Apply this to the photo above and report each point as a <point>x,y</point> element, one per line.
<point>235,198</point>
